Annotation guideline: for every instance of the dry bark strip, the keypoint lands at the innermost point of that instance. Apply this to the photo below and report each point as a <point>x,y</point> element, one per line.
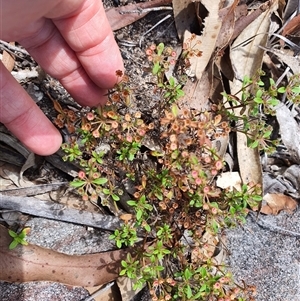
<point>52,210</point>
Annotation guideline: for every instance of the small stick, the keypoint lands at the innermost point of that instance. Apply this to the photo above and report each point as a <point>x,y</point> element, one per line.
<point>140,11</point>
<point>13,48</point>
<point>162,20</point>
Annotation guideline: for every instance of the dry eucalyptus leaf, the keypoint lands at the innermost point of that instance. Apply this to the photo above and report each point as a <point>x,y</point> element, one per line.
<point>278,202</point>
<point>246,61</point>
<point>227,15</point>
<point>207,41</point>
<point>33,263</point>
<point>197,92</point>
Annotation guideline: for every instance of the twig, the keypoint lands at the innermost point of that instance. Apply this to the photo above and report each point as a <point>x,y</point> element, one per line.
<point>162,20</point>
<point>145,10</point>
<point>13,48</point>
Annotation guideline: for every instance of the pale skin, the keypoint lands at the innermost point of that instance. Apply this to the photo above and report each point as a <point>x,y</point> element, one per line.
<point>73,42</point>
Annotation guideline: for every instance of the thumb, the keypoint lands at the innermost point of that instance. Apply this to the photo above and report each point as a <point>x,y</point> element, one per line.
<point>20,114</point>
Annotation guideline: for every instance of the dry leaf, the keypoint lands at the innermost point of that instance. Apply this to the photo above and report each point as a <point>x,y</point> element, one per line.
<point>8,60</point>
<point>229,180</point>
<point>207,41</point>
<point>197,92</point>
<point>33,263</point>
<point>228,17</point>
<point>278,202</point>
<point>289,130</point>
<point>246,61</point>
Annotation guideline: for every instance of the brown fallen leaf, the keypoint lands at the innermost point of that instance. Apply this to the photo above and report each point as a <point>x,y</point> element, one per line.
<point>8,60</point>
<point>278,202</point>
<point>33,263</point>
<point>119,18</point>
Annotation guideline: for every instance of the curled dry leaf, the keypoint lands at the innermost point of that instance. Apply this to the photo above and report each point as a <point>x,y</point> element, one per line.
<point>278,202</point>
<point>33,263</point>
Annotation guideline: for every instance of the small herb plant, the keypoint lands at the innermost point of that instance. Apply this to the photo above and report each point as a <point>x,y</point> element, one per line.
<point>176,209</point>
<point>18,238</point>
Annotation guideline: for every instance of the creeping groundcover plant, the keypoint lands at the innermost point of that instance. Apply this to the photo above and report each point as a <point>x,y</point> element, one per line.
<point>174,209</point>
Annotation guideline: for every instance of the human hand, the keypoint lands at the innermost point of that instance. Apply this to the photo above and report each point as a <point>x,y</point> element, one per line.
<point>73,42</point>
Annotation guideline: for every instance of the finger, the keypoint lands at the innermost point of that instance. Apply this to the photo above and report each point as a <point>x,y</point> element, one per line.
<point>89,34</point>
<point>51,51</point>
<point>20,114</point>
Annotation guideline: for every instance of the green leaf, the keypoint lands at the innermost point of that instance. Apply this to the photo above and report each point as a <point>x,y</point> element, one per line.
<point>267,134</point>
<point>139,214</point>
<point>160,48</point>
<point>100,181</point>
<point>189,292</point>
<point>106,191</point>
<point>254,144</point>
<point>77,183</point>
<point>12,233</point>
<point>187,274</point>
<point>172,81</point>
<point>159,195</point>
<point>281,90</point>
<point>115,197</point>
<point>23,242</point>
<point>257,198</point>
<point>13,244</point>
<point>258,100</point>
<point>156,68</point>
<point>119,244</point>
<point>147,227</point>
<point>296,90</point>
<point>175,110</point>
<point>122,273</point>
<point>124,264</point>
<point>273,101</point>
<point>131,203</point>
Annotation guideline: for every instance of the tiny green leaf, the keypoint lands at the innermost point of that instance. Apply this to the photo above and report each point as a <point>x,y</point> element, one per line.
<point>77,183</point>
<point>100,181</point>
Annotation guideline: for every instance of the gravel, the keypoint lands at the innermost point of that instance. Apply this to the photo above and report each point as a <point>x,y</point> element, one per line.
<point>264,254</point>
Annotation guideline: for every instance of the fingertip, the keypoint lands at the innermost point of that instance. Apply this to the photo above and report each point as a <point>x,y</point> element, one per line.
<point>45,145</point>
